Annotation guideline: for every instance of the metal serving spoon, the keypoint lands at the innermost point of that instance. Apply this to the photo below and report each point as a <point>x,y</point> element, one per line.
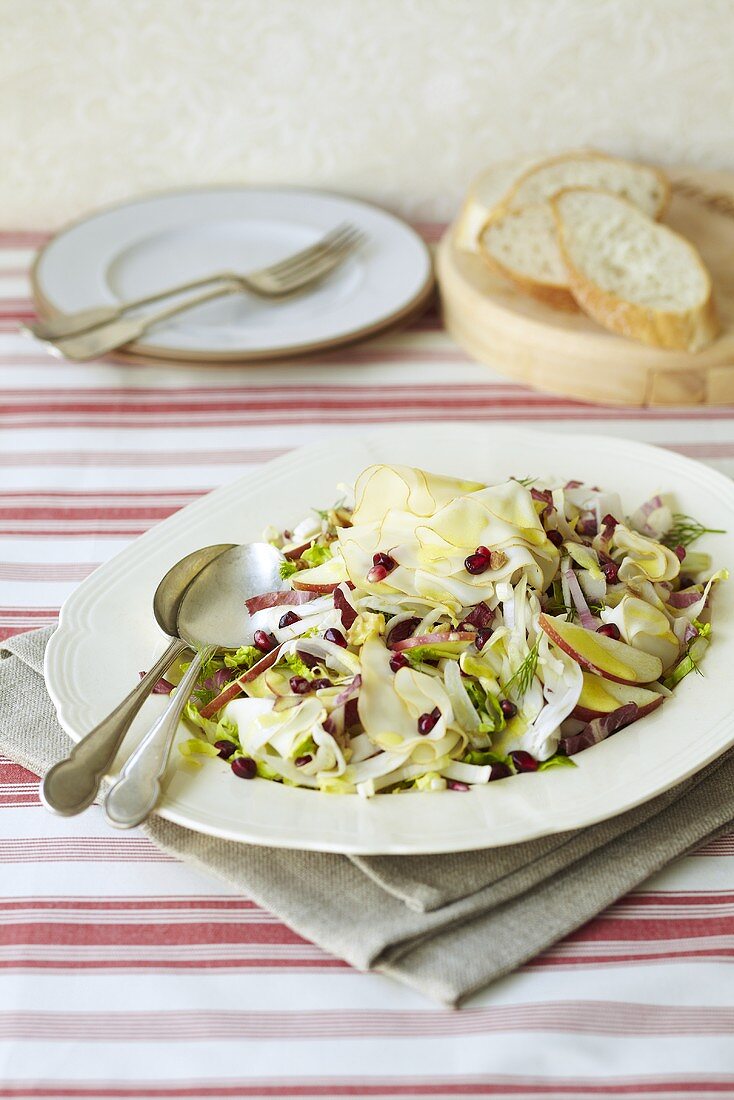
<point>212,616</point>
<point>72,784</point>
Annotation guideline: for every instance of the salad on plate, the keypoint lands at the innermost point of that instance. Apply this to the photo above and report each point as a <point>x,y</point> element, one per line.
<point>442,634</point>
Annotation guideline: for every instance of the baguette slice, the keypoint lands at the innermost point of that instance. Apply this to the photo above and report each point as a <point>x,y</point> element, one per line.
<point>631,274</point>
<point>645,187</point>
<point>522,246</point>
<point>485,193</point>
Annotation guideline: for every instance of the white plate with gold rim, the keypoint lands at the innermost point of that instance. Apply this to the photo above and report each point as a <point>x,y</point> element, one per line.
<point>107,633</point>
<point>139,247</point>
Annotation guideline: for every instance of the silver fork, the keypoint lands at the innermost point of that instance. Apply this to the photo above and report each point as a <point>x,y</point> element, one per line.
<point>274,284</point>
<point>277,280</point>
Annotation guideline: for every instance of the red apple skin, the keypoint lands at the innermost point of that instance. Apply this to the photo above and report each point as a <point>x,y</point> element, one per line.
<point>305,586</point>
<point>548,627</point>
<point>437,638</point>
<point>235,688</point>
<point>586,715</point>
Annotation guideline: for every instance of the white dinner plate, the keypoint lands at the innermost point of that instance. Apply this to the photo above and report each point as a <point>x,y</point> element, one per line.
<point>139,247</point>
<point>107,633</point>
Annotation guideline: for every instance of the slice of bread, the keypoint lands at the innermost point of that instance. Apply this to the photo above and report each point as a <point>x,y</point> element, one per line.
<point>485,193</point>
<point>522,246</point>
<point>647,188</point>
<point>631,274</point>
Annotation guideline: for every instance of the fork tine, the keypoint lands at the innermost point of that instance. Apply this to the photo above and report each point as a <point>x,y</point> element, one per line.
<point>306,254</point>
<point>326,261</point>
<point>320,266</point>
<point>297,265</point>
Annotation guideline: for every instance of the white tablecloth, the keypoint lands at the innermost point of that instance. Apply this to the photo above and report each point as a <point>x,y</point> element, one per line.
<point>125,974</point>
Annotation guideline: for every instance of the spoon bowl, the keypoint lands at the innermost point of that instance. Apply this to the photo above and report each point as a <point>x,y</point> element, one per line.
<point>72,785</point>
<point>211,615</point>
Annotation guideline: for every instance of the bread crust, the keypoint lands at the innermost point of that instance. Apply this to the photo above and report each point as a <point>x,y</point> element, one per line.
<point>684,330</point>
<point>556,295</point>
<point>593,154</point>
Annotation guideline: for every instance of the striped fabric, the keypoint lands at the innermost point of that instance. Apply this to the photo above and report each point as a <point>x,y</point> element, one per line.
<point>125,974</point>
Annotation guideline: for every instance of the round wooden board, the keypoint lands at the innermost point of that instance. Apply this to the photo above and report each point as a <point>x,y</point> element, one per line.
<point>570,354</point>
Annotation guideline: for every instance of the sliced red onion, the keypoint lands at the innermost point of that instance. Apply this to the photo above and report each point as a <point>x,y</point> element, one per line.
<point>573,485</point>
<point>599,729</point>
<point>480,616</point>
<point>345,606</point>
<point>278,599</point>
<point>349,691</point>
<point>163,687</point>
<point>685,598</point>
<point>221,677</point>
<point>587,619</point>
<point>544,497</point>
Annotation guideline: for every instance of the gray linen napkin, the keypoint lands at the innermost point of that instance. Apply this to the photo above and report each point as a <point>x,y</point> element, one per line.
<point>446,925</point>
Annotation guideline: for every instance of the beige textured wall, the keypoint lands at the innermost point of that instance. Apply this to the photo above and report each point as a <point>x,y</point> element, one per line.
<point>397,100</point>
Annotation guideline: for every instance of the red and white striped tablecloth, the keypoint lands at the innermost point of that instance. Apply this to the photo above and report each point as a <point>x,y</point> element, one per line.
<point>126,974</point>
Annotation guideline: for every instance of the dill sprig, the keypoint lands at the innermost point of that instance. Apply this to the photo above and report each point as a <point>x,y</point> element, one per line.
<point>524,481</point>
<point>287,569</point>
<point>522,677</point>
<point>686,530</point>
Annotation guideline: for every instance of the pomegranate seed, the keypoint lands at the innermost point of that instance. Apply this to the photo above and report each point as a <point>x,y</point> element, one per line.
<point>335,636</point>
<point>523,761</point>
<point>499,771</point>
<point>609,521</point>
<point>402,631</point>
<point>455,785</point>
<point>484,551</point>
<point>289,619</point>
<point>385,561</point>
<point>319,685</point>
<point>477,563</point>
<point>483,637</point>
<point>244,767</point>
<point>508,708</point>
<point>299,685</point>
<point>609,630</point>
<point>376,574</point>
<point>226,748</point>
<point>301,760</point>
<point>555,537</point>
<point>610,569</point>
<point>398,661</point>
<point>263,641</point>
<point>426,722</point>
<point>680,553</point>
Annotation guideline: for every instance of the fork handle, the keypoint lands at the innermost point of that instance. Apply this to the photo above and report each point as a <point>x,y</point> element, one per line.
<point>90,345</point>
<point>136,792</point>
<point>73,324</point>
<point>72,784</point>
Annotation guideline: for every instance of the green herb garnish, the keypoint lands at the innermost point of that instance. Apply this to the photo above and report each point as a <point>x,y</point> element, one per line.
<point>287,569</point>
<point>686,530</point>
<point>523,675</point>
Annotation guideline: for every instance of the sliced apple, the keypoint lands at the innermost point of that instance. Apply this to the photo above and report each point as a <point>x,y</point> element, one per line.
<point>604,656</point>
<point>235,687</point>
<point>599,697</point>
<point>322,578</point>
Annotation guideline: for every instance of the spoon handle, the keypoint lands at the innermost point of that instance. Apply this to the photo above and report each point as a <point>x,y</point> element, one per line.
<point>72,784</point>
<point>136,792</point>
